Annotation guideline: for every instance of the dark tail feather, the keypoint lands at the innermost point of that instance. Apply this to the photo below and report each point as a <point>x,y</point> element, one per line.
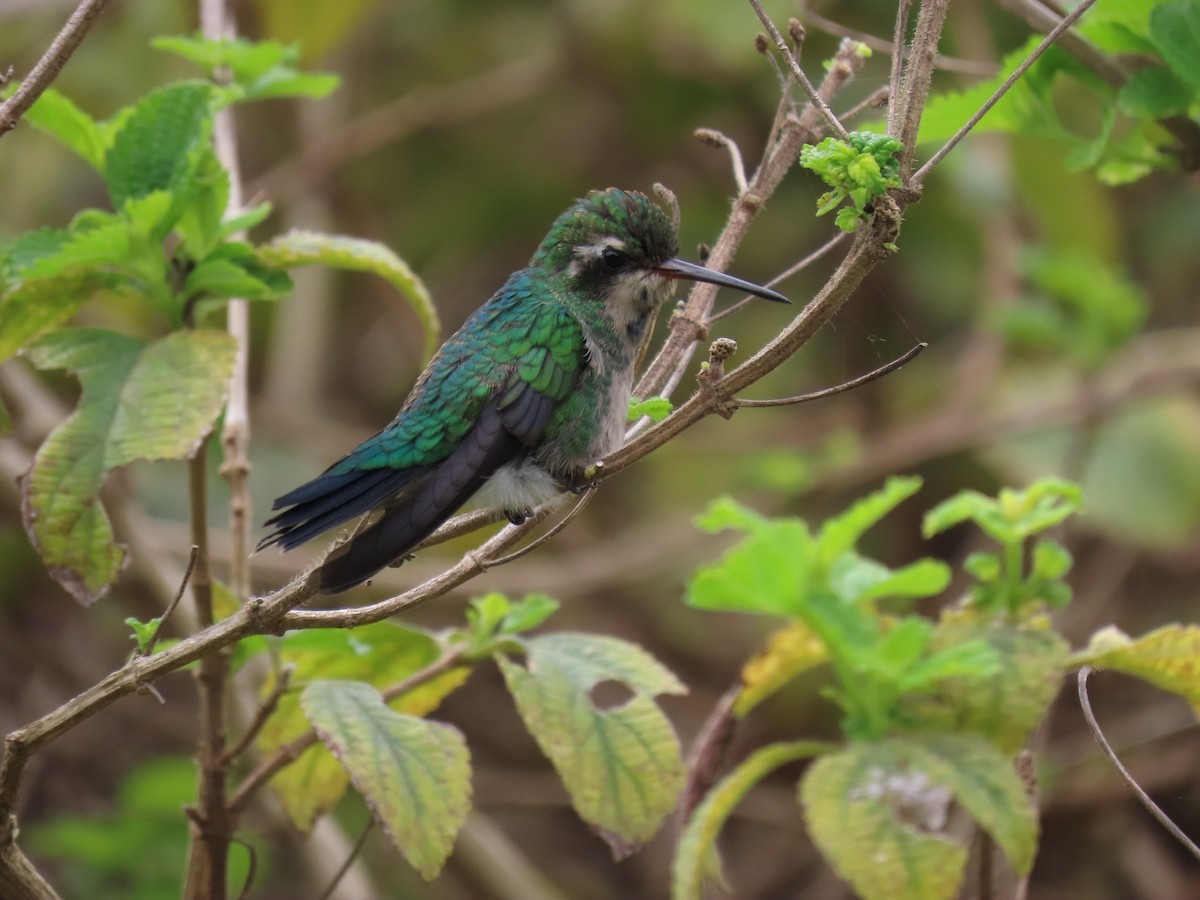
<point>426,506</point>
<point>330,500</point>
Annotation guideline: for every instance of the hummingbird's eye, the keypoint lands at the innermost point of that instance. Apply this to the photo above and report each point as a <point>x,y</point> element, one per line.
<point>614,260</point>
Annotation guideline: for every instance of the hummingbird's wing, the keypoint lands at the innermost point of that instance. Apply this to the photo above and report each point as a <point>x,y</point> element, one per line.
<point>467,417</point>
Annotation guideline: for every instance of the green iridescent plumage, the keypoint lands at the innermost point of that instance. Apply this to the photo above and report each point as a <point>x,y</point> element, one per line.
<point>531,391</point>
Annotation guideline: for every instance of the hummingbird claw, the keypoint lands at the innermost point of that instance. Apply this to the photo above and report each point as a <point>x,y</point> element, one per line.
<point>518,517</point>
<point>587,479</point>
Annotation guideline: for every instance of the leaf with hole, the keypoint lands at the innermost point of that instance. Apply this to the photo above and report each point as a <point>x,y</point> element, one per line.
<point>621,765</point>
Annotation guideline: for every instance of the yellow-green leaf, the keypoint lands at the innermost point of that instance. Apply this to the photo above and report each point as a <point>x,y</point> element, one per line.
<point>1006,710</point>
<point>380,655</point>
<point>790,650</point>
<point>414,774</point>
<point>621,765</point>
<point>306,248</point>
<point>1167,657</point>
<point>697,846</point>
<point>140,400</point>
<point>877,811</point>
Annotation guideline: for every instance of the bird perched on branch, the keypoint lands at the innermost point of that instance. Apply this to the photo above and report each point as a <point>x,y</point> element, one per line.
<point>519,402</point>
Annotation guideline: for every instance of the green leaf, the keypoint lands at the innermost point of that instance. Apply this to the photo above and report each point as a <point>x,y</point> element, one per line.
<point>380,655</point>
<point>656,408</point>
<point>856,579</point>
<point>1051,560</point>
<point>698,842</point>
<point>621,765</point>
<point>202,203</point>
<point>1165,657</point>
<point>33,308</point>
<point>1155,94</point>
<point>143,631</point>
<point>152,150</point>
<point>769,572</point>
<point>305,248</point>
<point>262,69</point>
<point>1175,30</point>
<point>140,400</point>
<point>26,249</point>
<point>878,812</point>
<point>848,219</point>
<point>244,220</point>
<point>859,822</point>
<point>414,774</point>
<point>842,532</point>
<point>1004,709</point>
<point>528,613</point>
<point>58,116</point>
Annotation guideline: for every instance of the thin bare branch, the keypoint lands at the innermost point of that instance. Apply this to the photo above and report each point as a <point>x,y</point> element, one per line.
<point>919,177</point>
<point>899,38</point>
<point>148,649</point>
<point>345,867</point>
<point>51,63</point>
<point>1153,808</point>
<point>909,103</point>
<point>283,683</point>
<point>579,507</point>
<point>716,139</point>
<point>837,388</point>
<point>874,100</point>
<point>814,97</point>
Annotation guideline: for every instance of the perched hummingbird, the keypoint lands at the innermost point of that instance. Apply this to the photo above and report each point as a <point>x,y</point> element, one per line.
<point>519,402</point>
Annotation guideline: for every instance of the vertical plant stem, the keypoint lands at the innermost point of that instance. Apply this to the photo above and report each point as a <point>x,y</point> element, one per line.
<point>918,74</point>
<point>235,436</point>
<point>212,824</point>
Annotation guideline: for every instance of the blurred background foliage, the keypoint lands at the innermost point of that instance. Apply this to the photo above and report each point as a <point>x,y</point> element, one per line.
<point>1062,321</point>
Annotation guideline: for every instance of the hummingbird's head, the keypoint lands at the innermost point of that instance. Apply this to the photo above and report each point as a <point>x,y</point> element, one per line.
<point>618,247</point>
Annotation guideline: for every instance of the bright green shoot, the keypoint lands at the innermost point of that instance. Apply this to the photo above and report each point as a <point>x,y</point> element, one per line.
<point>858,170</point>
<point>1005,582</point>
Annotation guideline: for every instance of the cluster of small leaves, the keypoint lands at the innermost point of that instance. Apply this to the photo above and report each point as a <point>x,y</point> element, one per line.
<point>858,170</point>
<point>170,246</point>
<point>622,766</point>
<point>1166,84</point>
<point>824,583</point>
<point>1011,519</point>
<point>928,718</point>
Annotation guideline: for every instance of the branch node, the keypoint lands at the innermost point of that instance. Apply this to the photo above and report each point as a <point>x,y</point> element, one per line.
<point>712,372</point>
<point>690,330</point>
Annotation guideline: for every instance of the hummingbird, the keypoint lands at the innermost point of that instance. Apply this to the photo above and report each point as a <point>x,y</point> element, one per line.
<point>530,392</point>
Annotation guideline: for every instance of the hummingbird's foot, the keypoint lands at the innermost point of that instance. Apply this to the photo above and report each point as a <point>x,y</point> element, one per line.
<point>518,516</point>
<point>587,479</point>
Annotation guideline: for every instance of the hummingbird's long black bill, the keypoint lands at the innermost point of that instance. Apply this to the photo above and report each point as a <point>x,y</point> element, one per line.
<point>681,268</point>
